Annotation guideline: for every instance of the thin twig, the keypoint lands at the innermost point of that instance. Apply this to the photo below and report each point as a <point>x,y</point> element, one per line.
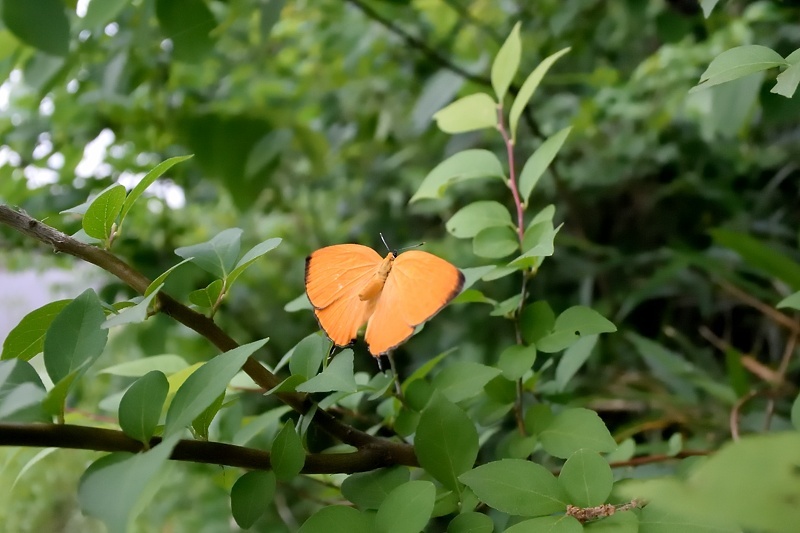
<point>766,309</point>
<point>734,416</point>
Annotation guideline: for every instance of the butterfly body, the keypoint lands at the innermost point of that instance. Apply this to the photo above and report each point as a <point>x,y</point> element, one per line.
<point>350,285</point>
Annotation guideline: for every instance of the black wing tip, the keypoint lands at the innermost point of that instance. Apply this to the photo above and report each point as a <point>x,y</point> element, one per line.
<point>458,287</point>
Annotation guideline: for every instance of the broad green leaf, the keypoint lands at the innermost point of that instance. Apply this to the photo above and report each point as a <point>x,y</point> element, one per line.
<point>537,418</point>
<point>287,455</point>
<point>462,166</point>
<point>75,338</point>
<point>792,301</point>
<point>308,354</point>
<point>140,407</point>
<point>101,12</point>
<point>42,24</point>
<point>118,485</point>
<point>251,256</point>
<point>620,522</point>
<point>472,296</point>
<point>573,429</point>
<point>103,212</point>
<point>463,380</point>
<point>471,522</point>
<point>438,90</point>
<point>151,176</point>
<point>654,519</point>
<point>477,216</point>
<point>166,363</point>
<point>573,359</point>
<point>21,393</point>
<point>506,63</point>
<point>369,489</point>
<point>516,360</point>
<point>708,6</point>
<point>499,272</point>
<point>27,338</point>
<point>786,82</point>
<point>586,478</point>
<point>207,297</point>
<point>217,256</point>
<point>473,274</point>
<point>537,244</point>
<point>132,315</point>
<point>287,385</point>
<point>265,423</point>
<point>795,413</point>
<point>202,422</point>
<point>528,88</point>
<point>425,369</point>
<point>338,519</point>
<point>269,147</point>
<point>516,487</point>
<point>474,112</point>
<point>547,524</point>
<point>54,400</point>
<point>407,508</point>
<point>446,442</point>
<point>737,63</point>
<point>536,320</point>
<point>161,279</point>
<point>507,307</point>
<point>496,242</point>
<point>300,303</point>
<point>189,24</point>
<point>538,162</point>
<point>204,385</point>
<point>338,376</point>
<point>250,496</point>
<point>576,322</point>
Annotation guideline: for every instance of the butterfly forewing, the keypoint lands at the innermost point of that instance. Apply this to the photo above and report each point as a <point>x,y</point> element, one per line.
<point>337,271</point>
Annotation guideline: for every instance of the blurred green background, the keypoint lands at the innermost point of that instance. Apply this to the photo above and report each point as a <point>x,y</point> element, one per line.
<point>311,121</point>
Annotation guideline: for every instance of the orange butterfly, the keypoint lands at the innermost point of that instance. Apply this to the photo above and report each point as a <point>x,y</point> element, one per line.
<point>350,285</point>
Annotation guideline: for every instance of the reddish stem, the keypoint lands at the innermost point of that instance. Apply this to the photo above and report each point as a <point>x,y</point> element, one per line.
<point>512,175</point>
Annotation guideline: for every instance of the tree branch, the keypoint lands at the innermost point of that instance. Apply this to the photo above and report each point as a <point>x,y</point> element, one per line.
<point>217,453</point>
<point>400,453</point>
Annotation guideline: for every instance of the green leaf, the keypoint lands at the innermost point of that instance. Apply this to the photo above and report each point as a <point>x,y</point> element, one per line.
<point>159,281</point>
<point>42,24</point>
<point>155,173</point>
<point>369,489</point>
<point>132,315</point>
<point>263,424</point>
<point>338,376</point>
<point>463,380</point>
<point>189,24</point>
<point>217,256</point>
<point>140,406</point>
<point>21,393</point>
<point>506,63</point>
<point>471,522</point>
<point>208,296</point>
<point>516,360</point>
<point>251,256</point>
<point>619,522</point>
<point>516,487</point>
<point>474,112</point>
<point>760,256</point>
<point>27,338</point>
<point>117,486</point>
<point>737,63</point>
<point>792,301</point>
<point>536,320</point>
<point>202,422</point>
<point>795,414</point>
<point>407,508</point>
<point>287,454</point>
<point>270,146</point>
<point>537,243</point>
<point>786,82</point>
<point>462,166</point>
<point>496,242</point>
<point>166,363</point>
<point>708,6</point>
<point>576,322</point>
<point>537,418</point>
<point>528,88</point>
<point>507,308</point>
<point>250,496</point>
<point>573,429</point>
<point>425,369</point>
<point>300,303</point>
<point>446,442</point>
<point>538,162</point>
<point>338,519</point>
<point>103,212</point>
<point>548,524</point>
<point>477,216</point>
<point>308,354</point>
<point>205,385</point>
<point>654,519</point>
<point>573,359</point>
<point>75,338</point>
<point>586,478</point>
<point>101,12</point>
<point>54,400</point>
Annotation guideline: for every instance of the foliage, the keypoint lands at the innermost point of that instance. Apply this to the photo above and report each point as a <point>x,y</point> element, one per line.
<point>612,167</point>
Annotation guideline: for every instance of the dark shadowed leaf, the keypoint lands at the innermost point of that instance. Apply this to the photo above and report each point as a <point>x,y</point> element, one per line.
<point>250,496</point>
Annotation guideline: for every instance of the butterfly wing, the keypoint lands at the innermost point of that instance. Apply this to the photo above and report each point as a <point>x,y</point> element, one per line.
<point>334,277</point>
<point>419,286</point>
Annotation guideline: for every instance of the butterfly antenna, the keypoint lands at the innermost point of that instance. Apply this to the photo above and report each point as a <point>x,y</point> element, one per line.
<point>384,242</point>
<point>380,366</point>
<point>413,246</point>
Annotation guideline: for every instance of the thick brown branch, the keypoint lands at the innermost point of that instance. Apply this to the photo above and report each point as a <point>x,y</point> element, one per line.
<point>217,453</point>
<point>401,453</point>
